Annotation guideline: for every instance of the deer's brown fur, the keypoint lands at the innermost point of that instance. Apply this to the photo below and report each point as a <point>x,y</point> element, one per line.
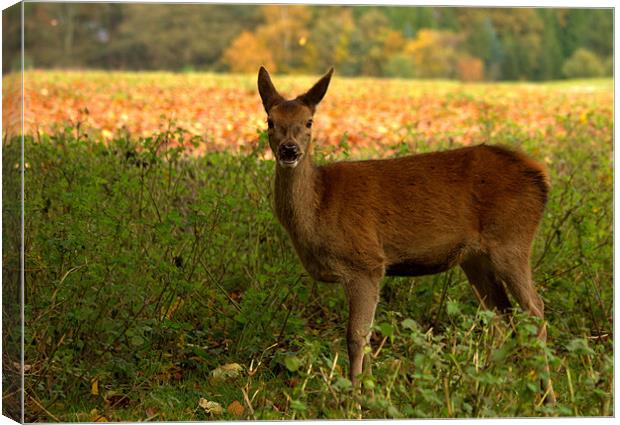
<point>355,222</point>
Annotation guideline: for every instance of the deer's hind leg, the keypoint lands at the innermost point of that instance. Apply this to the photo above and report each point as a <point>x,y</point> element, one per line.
<point>513,267</point>
<point>488,288</point>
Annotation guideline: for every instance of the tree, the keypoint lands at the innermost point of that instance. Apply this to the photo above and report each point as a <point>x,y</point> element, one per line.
<point>483,42</point>
<point>367,45</point>
<point>520,33</point>
<point>588,28</point>
<point>409,20</point>
<point>284,29</point>
<point>551,52</point>
<point>434,53</point>
<point>329,42</point>
<point>447,18</point>
<point>512,43</point>
<point>599,38</point>
<point>66,34</point>
<point>247,53</point>
<point>158,36</point>
<point>11,39</point>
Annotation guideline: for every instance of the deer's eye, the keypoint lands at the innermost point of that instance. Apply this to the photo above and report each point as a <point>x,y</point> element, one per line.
<point>269,123</point>
<point>309,124</point>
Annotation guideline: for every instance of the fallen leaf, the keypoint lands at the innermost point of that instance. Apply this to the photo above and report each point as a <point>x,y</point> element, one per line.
<point>17,365</point>
<point>94,386</point>
<point>232,367</point>
<point>211,406</point>
<point>235,408</point>
<point>151,412</point>
<point>230,370</point>
<point>95,416</point>
<point>203,402</point>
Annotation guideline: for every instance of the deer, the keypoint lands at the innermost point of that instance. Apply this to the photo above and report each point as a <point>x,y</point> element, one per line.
<point>355,222</point>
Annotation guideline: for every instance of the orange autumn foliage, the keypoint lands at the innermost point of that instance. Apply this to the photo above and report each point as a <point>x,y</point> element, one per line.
<point>225,110</point>
<point>246,53</point>
<point>470,69</point>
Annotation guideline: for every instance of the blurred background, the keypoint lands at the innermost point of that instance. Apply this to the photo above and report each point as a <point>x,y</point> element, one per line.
<point>468,44</point>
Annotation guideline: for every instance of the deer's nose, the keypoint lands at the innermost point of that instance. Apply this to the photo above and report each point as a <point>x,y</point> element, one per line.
<point>288,150</point>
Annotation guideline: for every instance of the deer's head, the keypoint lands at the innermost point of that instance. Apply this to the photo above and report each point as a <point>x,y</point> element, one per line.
<point>290,121</point>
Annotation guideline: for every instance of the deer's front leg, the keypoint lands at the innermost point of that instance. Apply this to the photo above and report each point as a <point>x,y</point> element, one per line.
<point>363,295</point>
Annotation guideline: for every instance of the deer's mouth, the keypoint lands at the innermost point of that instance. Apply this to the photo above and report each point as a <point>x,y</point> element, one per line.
<point>289,155</point>
<point>289,162</point>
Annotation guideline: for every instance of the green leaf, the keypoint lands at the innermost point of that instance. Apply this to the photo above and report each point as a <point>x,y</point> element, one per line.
<point>500,354</point>
<point>200,352</point>
<point>579,346</point>
<point>530,329</point>
<point>342,383</point>
<point>532,386</point>
<point>292,363</point>
<point>386,329</point>
<point>298,405</point>
<point>136,341</point>
<point>453,308</point>
<point>409,324</point>
<point>393,412</point>
<point>369,383</point>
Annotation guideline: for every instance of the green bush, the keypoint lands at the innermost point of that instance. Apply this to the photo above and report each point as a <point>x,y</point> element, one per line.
<point>399,65</point>
<point>583,64</point>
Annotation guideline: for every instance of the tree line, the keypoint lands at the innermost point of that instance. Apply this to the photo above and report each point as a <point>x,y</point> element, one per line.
<point>469,44</point>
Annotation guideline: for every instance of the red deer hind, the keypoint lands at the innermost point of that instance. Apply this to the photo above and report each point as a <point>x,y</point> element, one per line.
<point>355,222</point>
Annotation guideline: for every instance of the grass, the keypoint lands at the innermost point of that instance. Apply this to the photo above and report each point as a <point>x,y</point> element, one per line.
<point>155,279</point>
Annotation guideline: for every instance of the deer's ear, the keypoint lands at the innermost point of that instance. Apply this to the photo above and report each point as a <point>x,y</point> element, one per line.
<point>268,93</point>
<point>313,96</point>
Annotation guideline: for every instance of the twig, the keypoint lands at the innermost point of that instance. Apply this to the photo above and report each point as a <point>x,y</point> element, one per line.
<point>391,384</point>
<point>288,313</point>
<point>447,394</point>
<point>328,382</point>
<point>571,390</point>
<point>247,400</point>
<point>50,414</point>
<point>303,385</point>
<point>232,301</point>
<point>376,353</point>
<point>335,362</point>
<point>447,280</point>
<point>555,230</point>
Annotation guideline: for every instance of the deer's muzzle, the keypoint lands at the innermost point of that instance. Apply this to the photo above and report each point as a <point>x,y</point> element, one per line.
<point>288,154</point>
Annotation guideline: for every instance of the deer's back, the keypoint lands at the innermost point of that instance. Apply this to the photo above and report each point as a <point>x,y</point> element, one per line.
<point>442,201</point>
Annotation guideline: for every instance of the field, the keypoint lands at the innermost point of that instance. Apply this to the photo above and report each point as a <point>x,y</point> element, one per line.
<point>159,285</point>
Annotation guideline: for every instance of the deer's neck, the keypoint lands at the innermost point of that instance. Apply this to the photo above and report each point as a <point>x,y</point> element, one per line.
<point>296,197</point>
